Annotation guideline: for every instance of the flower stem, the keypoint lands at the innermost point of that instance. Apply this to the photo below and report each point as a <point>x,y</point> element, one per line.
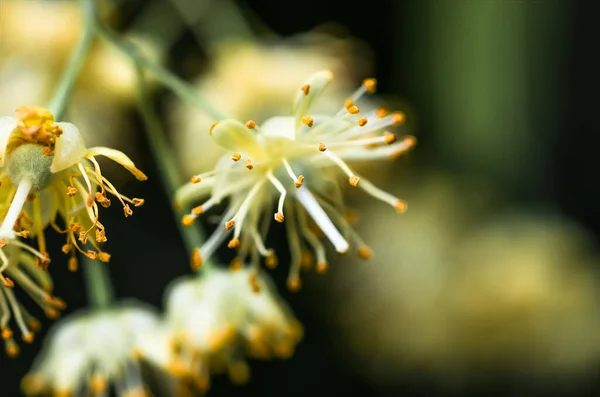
<point>58,104</point>
<point>97,281</point>
<point>161,150</point>
<point>16,206</point>
<point>164,76</point>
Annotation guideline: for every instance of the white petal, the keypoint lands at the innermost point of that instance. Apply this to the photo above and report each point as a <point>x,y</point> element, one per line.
<point>7,125</point>
<point>279,127</point>
<point>236,137</point>
<point>70,148</point>
<point>309,91</point>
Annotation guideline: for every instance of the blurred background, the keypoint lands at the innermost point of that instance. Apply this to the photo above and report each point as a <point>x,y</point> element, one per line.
<point>489,284</point>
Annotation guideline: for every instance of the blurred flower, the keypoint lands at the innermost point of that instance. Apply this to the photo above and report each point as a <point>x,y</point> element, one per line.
<point>308,144</point>
<point>254,80</point>
<point>516,294</point>
<point>90,350</point>
<point>48,165</point>
<point>216,319</point>
<point>21,267</point>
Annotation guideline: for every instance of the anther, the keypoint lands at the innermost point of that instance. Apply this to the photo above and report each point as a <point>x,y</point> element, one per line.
<point>294,284</point>
<point>398,118</point>
<point>362,121</point>
<point>28,337</point>
<point>229,224</point>
<point>251,124</point>
<point>307,120</point>
<point>307,260</point>
<point>305,88</point>
<point>236,157</point>
<point>197,210</point>
<point>188,220</point>
<point>271,261</point>
<point>100,236</point>
<point>91,254</point>
<point>12,350</point>
<point>34,324</point>
<point>381,112</point>
<point>354,180</point>
<point>298,183</point>
<point>197,260</point>
<point>195,179</point>
<point>75,227</point>
<point>370,85</point>
<point>322,147</point>
<point>322,267</point>
<point>249,164</point>
<point>71,191</point>
<point>279,217</point>
<point>348,103</point>
<point>137,202</point>
<point>233,243</point>
<point>236,264</point>
<point>73,264</point>
<point>400,206</point>
<point>7,282</point>
<point>364,253</point>
<point>127,210</point>
<point>104,257</point>
<point>352,109</point>
<point>389,137</point>
<point>2,243</point>
<point>6,333</point>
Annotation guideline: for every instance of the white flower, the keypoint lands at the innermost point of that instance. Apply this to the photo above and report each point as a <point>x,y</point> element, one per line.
<point>50,173</point>
<point>91,350</point>
<point>220,316</point>
<point>278,158</point>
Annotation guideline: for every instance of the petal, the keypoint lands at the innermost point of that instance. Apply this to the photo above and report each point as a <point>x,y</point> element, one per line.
<point>120,158</point>
<point>69,149</point>
<point>309,91</point>
<point>7,126</point>
<point>235,136</point>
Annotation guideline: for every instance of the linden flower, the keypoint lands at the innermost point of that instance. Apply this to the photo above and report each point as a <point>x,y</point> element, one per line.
<point>276,157</point>
<point>91,350</point>
<point>48,171</point>
<point>216,318</point>
<point>21,267</point>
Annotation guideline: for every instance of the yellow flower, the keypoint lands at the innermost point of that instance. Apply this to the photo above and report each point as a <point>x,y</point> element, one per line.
<point>294,157</point>
<point>48,173</point>
<point>219,317</point>
<point>21,267</point>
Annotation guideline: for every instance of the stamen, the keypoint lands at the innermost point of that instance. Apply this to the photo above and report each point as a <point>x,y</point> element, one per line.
<point>282,193</point>
<point>312,238</point>
<point>362,121</point>
<point>293,280</point>
<point>249,164</point>
<point>353,109</point>
<point>308,121</point>
<point>298,181</point>
<point>317,213</point>
<point>344,167</point>
<point>384,196</point>
<point>238,218</point>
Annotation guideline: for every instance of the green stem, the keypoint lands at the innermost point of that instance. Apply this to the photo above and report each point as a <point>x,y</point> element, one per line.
<point>97,281</point>
<point>58,104</point>
<point>168,171</point>
<point>163,75</point>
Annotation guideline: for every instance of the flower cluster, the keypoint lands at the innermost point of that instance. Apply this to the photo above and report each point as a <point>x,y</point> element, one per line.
<point>292,157</point>
<point>214,320</point>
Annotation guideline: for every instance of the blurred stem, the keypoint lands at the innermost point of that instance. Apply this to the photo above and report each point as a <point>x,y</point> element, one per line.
<point>213,20</point>
<point>164,76</point>
<point>162,153</point>
<point>97,281</point>
<point>58,104</point>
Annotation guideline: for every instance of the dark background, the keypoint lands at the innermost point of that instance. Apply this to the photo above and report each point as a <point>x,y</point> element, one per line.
<point>147,251</point>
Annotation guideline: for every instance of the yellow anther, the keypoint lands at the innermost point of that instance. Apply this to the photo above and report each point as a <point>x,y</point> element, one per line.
<point>188,220</point>
<point>137,202</point>
<point>28,337</point>
<point>354,180</point>
<point>348,103</point>
<point>251,124</point>
<point>6,333</point>
<point>305,88</point>
<point>322,267</point>
<point>400,206</point>
<point>362,121</point>
<point>73,264</point>
<point>271,261</point>
<point>195,179</point>
<point>279,217</point>
<point>236,264</point>
<point>364,253</point>
<point>71,191</point>
<point>322,147</point>
<point>197,260</point>
<point>353,109</point>
<point>398,118</point>
<point>307,120</point>
<point>370,85</point>
<point>91,254</point>
<point>100,236</point>
<point>389,137</point>
<point>298,183</point>
<point>381,112</point>
<point>249,164</point>
<point>127,210</point>
<point>233,243</point>
<point>236,157</point>
<point>229,224</point>
<point>104,256</point>
<point>294,284</point>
